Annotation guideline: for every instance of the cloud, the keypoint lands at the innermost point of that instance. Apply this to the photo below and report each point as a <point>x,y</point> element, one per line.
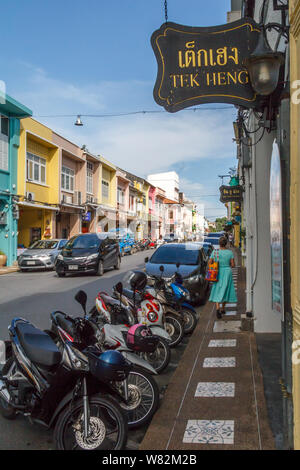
<point>141,143</point>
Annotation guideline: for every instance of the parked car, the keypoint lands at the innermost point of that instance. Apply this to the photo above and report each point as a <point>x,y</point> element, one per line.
<point>193,264</point>
<point>93,252</point>
<point>41,254</point>
<point>125,239</point>
<point>212,241</point>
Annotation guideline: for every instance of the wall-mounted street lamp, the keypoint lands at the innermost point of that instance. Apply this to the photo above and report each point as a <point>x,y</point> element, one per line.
<point>263,66</point>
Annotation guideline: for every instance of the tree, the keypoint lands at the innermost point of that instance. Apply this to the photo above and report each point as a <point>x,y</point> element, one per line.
<point>220,222</point>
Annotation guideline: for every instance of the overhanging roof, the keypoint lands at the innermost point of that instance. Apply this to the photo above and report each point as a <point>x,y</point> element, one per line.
<point>13,108</point>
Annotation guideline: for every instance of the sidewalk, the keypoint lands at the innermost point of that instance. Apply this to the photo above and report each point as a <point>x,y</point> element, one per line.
<point>9,269</point>
<point>215,399</point>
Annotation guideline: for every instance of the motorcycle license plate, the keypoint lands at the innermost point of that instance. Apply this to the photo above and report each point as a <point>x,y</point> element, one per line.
<point>30,263</point>
<point>73,267</point>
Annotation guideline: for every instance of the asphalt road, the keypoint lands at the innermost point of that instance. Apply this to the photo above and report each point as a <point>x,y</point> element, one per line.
<point>34,295</point>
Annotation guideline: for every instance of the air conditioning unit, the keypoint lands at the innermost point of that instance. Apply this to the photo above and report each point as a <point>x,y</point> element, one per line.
<point>67,199</point>
<point>29,196</point>
<point>77,198</point>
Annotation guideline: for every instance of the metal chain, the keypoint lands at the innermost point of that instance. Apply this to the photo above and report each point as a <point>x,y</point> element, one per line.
<point>166,10</point>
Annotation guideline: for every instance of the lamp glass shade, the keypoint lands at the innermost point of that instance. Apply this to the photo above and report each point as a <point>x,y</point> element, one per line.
<point>263,67</point>
<point>78,122</point>
<point>264,74</point>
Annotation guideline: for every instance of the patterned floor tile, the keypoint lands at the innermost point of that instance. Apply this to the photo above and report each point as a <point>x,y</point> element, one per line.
<point>227,326</point>
<point>222,343</point>
<point>215,389</point>
<point>219,362</point>
<point>209,432</point>
<point>230,312</point>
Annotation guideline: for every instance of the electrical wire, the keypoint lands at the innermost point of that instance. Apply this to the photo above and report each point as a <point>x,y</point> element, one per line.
<point>130,113</point>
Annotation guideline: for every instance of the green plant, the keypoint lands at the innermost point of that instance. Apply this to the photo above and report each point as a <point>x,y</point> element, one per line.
<point>2,253</point>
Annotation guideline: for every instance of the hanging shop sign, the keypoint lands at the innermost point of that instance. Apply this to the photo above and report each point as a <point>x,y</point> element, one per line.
<point>87,217</point>
<point>231,193</point>
<point>204,65</point>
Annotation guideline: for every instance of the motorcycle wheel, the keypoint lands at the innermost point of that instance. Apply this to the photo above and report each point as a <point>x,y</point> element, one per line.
<point>160,358</point>
<point>7,411</point>
<point>108,426</point>
<point>143,398</point>
<point>189,321</point>
<point>174,327</point>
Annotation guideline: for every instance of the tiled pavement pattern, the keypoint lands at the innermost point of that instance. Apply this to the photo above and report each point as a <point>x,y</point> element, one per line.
<point>215,399</point>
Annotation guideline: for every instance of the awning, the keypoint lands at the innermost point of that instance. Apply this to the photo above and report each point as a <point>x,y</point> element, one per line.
<point>38,206</point>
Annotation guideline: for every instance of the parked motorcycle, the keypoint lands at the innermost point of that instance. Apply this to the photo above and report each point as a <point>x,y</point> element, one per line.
<point>151,312</point>
<point>139,389</point>
<point>128,316</point>
<point>68,389</point>
<point>172,294</point>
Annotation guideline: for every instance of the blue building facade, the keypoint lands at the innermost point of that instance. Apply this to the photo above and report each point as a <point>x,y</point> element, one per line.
<point>11,112</point>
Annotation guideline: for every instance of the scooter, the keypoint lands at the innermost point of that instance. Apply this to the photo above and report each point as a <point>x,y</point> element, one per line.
<point>173,295</point>
<point>149,311</point>
<point>139,390</point>
<point>65,389</point>
<point>127,316</point>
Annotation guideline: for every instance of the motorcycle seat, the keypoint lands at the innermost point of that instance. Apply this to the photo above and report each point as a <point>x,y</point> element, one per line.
<point>129,294</point>
<point>66,323</point>
<point>38,346</point>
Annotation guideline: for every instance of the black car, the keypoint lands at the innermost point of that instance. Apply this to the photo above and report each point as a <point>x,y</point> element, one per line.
<point>193,264</point>
<point>89,252</point>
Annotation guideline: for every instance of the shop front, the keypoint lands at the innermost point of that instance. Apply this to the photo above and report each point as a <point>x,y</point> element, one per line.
<point>36,222</point>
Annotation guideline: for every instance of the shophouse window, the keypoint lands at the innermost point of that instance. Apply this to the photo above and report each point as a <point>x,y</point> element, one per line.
<point>132,203</point>
<point>120,195</point>
<point>89,177</point>
<point>4,130</point>
<point>171,214</point>
<point>105,189</point>
<point>67,178</point>
<point>36,168</point>
<point>150,203</point>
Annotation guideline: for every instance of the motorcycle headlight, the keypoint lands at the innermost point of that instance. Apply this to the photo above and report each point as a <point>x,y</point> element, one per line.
<point>60,257</point>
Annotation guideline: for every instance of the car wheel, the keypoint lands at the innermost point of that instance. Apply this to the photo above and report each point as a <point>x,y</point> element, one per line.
<point>118,264</point>
<point>100,270</point>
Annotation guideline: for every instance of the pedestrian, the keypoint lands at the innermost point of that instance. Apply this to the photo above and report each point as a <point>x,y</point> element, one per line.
<point>231,239</point>
<point>223,290</point>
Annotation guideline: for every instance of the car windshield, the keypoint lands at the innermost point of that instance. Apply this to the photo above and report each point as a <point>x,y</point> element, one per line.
<point>83,242</point>
<point>168,254</point>
<point>44,245</point>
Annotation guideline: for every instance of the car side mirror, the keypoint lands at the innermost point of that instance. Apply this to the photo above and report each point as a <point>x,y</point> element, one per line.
<point>177,265</point>
<point>146,260</point>
<point>81,298</point>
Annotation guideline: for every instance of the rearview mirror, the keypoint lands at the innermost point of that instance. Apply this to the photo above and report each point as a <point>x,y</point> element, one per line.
<point>119,287</point>
<point>81,298</point>
<point>177,265</point>
<point>146,260</point>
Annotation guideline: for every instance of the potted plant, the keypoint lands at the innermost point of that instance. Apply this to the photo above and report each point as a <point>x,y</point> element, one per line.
<point>3,259</point>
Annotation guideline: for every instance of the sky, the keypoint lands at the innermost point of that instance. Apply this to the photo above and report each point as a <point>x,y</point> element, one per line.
<point>94,57</point>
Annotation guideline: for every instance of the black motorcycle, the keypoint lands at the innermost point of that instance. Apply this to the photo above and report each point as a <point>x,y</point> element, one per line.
<point>68,390</point>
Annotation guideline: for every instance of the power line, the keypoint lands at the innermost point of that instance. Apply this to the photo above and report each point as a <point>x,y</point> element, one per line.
<point>129,113</point>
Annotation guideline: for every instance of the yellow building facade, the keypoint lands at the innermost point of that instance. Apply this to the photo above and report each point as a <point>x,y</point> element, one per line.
<point>38,182</point>
<point>294,6</point>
